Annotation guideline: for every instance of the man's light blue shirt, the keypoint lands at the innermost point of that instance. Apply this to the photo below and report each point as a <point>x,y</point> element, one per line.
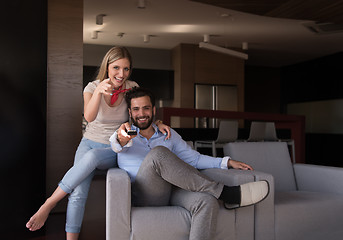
<point>131,156</point>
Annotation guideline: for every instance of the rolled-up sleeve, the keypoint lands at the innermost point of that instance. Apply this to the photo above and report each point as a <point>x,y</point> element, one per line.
<point>115,145</point>
<point>205,161</point>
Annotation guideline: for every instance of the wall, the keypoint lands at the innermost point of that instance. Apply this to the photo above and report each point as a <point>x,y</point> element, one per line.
<point>318,79</point>
<point>194,65</point>
<point>315,89</point>
<point>324,116</point>
<point>262,89</point>
<point>23,108</point>
<point>145,58</point>
<point>41,95</point>
<point>64,89</point>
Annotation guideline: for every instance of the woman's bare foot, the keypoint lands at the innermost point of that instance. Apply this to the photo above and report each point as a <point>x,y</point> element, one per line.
<point>38,219</point>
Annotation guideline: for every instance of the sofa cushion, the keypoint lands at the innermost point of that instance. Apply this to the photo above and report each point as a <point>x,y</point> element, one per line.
<point>308,215</point>
<point>167,223</point>
<point>173,222</point>
<point>268,157</point>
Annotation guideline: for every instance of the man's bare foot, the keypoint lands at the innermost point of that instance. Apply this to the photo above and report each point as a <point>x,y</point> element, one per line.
<point>38,219</point>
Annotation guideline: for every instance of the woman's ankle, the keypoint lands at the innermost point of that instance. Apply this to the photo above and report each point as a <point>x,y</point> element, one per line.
<point>72,236</point>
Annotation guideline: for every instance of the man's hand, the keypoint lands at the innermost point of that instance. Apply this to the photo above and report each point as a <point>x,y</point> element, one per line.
<point>122,136</point>
<point>238,165</point>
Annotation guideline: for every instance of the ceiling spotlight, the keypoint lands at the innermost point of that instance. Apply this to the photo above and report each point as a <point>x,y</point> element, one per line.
<point>141,4</point>
<point>206,38</point>
<point>100,19</point>
<point>146,38</point>
<point>94,34</point>
<point>120,34</point>
<point>245,45</point>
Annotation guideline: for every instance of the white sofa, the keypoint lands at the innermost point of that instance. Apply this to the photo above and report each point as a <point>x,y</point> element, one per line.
<point>308,198</point>
<point>124,222</point>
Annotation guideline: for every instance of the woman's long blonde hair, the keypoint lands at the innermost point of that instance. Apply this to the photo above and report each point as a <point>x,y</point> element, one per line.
<point>112,55</point>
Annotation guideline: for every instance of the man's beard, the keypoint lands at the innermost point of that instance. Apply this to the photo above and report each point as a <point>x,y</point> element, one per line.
<point>143,126</point>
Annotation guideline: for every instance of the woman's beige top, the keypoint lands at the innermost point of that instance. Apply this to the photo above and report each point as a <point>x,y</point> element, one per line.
<point>108,118</point>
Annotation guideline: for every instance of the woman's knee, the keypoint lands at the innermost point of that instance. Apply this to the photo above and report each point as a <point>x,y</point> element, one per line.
<point>91,156</point>
<point>99,156</point>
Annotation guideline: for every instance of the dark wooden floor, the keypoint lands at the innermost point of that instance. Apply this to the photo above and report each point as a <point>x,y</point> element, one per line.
<point>53,229</point>
<point>93,224</point>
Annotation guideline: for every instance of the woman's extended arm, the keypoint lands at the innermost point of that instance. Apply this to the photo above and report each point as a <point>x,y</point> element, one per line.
<point>92,101</point>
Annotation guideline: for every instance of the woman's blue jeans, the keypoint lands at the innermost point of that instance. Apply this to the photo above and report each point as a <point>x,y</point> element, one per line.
<point>89,156</point>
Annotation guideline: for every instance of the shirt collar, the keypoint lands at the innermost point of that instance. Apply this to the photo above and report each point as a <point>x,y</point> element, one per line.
<point>133,127</point>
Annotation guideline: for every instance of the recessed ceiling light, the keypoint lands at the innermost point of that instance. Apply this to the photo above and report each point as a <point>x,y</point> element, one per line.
<point>141,4</point>
<point>225,15</point>
<point>120,34</point>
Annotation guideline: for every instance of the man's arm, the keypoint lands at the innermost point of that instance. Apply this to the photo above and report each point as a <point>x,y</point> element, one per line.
<point>200,161</point>
<point>120,138</point>
<point>192,157</point>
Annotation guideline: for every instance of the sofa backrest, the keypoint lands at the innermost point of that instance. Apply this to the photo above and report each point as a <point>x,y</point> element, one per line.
<point>268,157</point>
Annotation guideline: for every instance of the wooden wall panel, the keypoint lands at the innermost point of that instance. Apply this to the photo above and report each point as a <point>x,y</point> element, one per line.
<point>183,64</point>
<point>217,68</point>
<point>64,88</point>
<point>194,65</point>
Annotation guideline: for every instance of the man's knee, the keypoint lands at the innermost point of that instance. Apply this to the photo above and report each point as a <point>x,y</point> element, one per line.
<point>204,203</point>
<point>159,150</point>
<point>159,153</point>
<point>207,200</point>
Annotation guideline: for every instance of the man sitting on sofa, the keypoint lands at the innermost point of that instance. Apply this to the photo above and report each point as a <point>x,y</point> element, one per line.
<point>155,165</point>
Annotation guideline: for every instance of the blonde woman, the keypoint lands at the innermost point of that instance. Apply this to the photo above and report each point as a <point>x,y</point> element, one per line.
<point>105,110</point>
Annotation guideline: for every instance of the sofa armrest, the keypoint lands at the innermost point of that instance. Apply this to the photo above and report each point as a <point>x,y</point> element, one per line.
<point>118,205</point>
<point>319,178</point>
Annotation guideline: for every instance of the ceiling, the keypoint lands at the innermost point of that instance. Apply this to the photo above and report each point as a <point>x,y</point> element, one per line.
<point>278,32</point>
